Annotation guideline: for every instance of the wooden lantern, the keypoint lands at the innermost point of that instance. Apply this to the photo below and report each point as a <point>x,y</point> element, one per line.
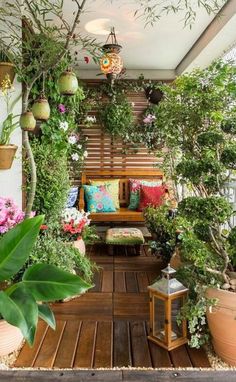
<point>167,296</point>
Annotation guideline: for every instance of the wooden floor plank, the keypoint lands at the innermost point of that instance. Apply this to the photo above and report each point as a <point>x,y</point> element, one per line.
<point>50,345</point>
<point>66,352</point>
<point>97,281</point>
<point>121,350</point>
<point>131,305</point>
<point>27,354</point>
<point>107,281</point>
<point>85,350</point>
<point>119,282</point>
<point>180,357</point>
<point>104,343</point>
<point>131,282</point>
<point>198,357</point>
<point>159,356</point>
<point>139,344</point>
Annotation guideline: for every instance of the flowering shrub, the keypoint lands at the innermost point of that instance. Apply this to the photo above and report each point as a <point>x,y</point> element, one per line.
<point>73,222</point>
<point>10,214</point>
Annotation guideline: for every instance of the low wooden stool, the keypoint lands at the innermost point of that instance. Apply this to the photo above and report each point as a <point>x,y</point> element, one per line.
<point>124,236</point>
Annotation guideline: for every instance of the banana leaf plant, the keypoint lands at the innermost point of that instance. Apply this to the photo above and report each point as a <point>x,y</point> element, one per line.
<point>23,303</point>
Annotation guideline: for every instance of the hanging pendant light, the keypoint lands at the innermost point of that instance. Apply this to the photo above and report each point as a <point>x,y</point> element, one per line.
<point>111,63</point>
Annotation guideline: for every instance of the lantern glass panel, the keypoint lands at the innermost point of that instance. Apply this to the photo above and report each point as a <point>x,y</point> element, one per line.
<point>176,330</point>
<point>159,318</point>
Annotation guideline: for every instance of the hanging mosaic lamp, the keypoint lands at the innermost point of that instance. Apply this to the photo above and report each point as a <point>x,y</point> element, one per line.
<point>111,63</point>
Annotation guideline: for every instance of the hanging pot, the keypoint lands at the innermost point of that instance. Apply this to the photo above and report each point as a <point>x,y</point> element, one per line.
<point>41,109</point>
<point>10,338</point>
<point>154,95</point>
<point>27,121</point>
<point>68,83</point>
<point>80,245</point>
<point>7,68</point>
<point>7,154</point>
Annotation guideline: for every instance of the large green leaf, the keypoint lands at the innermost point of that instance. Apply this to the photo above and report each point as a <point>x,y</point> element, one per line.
<point>19,308</point>
<point>49,283</point>
<point>47,315</point>
<point>15,246</point>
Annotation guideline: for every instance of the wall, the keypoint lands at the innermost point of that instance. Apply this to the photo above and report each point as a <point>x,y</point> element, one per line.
<point>11,180</point>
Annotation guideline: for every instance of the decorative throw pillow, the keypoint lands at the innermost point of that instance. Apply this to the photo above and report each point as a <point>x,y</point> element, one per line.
<point>135,185</point>
<point>112,186</point>
<point>152,196</point>
<point>98,199</point>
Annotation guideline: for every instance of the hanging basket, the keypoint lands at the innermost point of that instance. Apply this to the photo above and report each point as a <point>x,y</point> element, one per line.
<point>7,154</point>
<point>41,109</point>
<point>27,121</point>
<point>154,95</point>
<point>7,68</point>
<point>68,83</point>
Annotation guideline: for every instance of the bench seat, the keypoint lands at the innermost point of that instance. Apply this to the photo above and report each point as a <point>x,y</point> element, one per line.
<point>121,215</point>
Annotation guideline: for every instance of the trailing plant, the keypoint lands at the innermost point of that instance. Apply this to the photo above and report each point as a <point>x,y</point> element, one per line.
<point>195,126</point>
<point>19,303</point>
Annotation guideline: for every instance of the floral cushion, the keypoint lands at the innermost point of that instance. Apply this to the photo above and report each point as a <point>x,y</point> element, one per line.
<point>135,185</point>
<point>112,186</point>
<point>125,236</point>
<point>98,199</point>
<point>152,196</point>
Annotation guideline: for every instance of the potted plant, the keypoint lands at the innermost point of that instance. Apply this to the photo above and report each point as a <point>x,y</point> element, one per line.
<point>197,124</point>
<point>7,68</point>
<point>24,302</point>
<point>7,150</point>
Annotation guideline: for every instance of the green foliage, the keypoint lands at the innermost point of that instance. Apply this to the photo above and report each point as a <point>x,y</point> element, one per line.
<point>228,156</point>
<point>117,117</point>
<point>8,127</point>
<point>41,282</point>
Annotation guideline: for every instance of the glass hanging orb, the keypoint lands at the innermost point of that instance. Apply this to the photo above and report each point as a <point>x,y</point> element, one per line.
<point>111,63</point>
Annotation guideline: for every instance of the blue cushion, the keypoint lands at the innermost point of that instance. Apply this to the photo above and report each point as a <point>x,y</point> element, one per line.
<point>98,199</point>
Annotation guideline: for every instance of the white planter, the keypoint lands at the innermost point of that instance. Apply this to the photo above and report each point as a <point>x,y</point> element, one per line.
<point>10,338</point>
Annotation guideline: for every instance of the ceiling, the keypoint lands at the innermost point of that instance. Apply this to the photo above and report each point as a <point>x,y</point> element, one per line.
<point>167,47</point>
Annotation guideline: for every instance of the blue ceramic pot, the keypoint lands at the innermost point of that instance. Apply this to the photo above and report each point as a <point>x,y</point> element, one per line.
<point>72,196</point>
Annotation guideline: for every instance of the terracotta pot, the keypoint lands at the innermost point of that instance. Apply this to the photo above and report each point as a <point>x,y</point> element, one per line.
<point>7,154</point>
<point>222,324</point>
<point>10,338</point>
<point>41,109</point>
<point>68,83</point>
<point>27,121</point>
<point>7,68</point>
<point>80,245</point>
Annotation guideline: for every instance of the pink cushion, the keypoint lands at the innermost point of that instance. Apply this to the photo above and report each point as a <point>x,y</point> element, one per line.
<point>152,196</point>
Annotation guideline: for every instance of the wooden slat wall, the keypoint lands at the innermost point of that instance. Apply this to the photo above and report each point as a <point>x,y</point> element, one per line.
<point>104,153</point>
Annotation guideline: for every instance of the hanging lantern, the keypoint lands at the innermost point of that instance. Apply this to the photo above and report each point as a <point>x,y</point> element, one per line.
<point>68,83</point>
<point>111,63</point>
<point>27,121</point>
<point>167,297</point>
<point>41,109</point>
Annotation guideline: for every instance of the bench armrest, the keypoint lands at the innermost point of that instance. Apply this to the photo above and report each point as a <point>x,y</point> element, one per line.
<point>81,199</point>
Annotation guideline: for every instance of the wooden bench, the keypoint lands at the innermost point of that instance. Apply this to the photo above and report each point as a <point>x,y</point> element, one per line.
<point>123,214</point>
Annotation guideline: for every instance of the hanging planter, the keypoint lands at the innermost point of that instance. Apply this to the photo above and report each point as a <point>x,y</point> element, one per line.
<point>27,121</point>
<point>68,83</point>
<point>7,154</point>
<point>153,95</point>
<point>7,70</point>
<point>41,109</point>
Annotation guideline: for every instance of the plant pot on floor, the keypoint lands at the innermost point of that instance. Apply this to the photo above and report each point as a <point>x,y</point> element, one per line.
<point>7,154</point>
<point>7,68</point>
<point>222,324</point>
<point>80,245</point>
<point>10,338</point>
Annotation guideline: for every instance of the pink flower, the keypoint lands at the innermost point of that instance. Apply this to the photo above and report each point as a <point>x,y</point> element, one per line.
<point>61,108</point>
<point>10,214</point>
<point>86,59</point>
<point>149,119</point>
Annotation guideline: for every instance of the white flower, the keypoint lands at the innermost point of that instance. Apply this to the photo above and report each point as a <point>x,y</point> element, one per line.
<point>72,139</point>
<point>79,147</point>
<point>64,125</point>
<point>85,153</point>
<point>75,157</point>
<point>132,104</point>
<point>86,138</point>
<point>91,118</point>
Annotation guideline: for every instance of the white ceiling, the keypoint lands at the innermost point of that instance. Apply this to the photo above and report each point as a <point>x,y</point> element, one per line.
<point>162,46</point>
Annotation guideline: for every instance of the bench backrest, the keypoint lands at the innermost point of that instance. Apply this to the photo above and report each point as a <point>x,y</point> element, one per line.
<point>124,176</point>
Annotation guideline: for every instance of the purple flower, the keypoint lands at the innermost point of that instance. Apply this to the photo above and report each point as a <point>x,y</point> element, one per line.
<point>149,119</point>
<point>61,108</point>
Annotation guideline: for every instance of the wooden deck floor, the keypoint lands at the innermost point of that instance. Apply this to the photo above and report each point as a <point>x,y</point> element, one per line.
<point>108,326</point>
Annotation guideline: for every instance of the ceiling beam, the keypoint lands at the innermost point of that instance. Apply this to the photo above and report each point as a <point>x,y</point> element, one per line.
<point>219,21</point>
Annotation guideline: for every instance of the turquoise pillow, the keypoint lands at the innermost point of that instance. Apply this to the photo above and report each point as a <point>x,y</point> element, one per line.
<point>98,199</point>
